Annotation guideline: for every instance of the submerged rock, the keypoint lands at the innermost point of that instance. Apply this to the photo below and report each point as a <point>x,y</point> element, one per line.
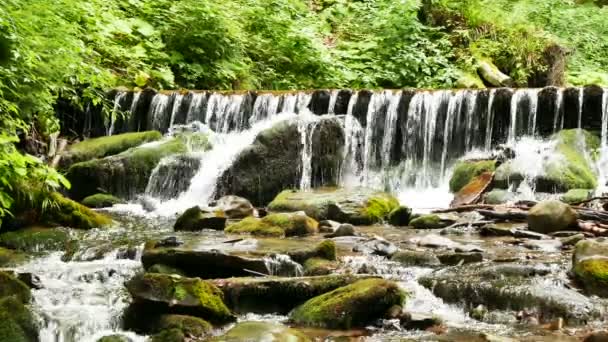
<point>551,216</point>
<point>204,264</point>
<point>510,287</point>
<point>261,331</point>
<point>235,207</point>
<point>164,294</point>
<point>350,306</point>
<point>278,294</point>
<point>590,266</point>
<point>101,201</point>
<point>273,162</point>
<point>195,219</point>
<point>356,206</point>
<point>280,224</point>
<point>106,146</point>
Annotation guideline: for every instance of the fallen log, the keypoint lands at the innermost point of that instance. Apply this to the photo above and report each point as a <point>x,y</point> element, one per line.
<point>504,216</point>
<point>599,198</point>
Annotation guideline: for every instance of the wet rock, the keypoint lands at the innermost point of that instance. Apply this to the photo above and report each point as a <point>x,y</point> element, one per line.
<point>203,264</point>
<point>36,239</point>
<point>106,146</point>
<point>195,219</point>
<point>164,269</point>
<point>550,216</point>
<point>328,226</point>
<point>101,201</point>
<point>326,249</point>
<point>597,336</point>
<point>261,331</point>
<point>159,293</point>
<point>278,225</point>
<point>473,191</point>
<point>526,234</point>
<point>590,266</point>
<point>187,327</point>
<point>417,321</point>
<point>278,294</point>
<point>376,246</point>
<point>319,266</point>
<point>468,248</point>
<point>31,280</point>
<point>498,196</point>
<point>171,241</point>
<point>350,306</point>
<point>434,241</point>
<point>12,286</point>
<point>576,195</point>
<point>460,258</point>
<point>115,338</point>
<point>273,162</point>
<point>495,230</point>
<point>16,321</point>
<point>400,216</point>
<point>345,229</point>
<point>127,252</point>
<point>10,257</point>
<point>355,206</point>
<point>235,207</point>
<point>430,221</point>
<point>543,245</point>
<point>511,287</point>
<point>416,258</point>
<point>572,240</point>
<point>465,171</point>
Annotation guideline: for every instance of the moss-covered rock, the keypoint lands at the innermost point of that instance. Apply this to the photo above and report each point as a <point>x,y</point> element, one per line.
<point>590,266</point>
<point>36,239</point>
<point>551,216</point>
<point>261,331</point>
<point>278,294</point>
<point>195,219</point>
<point>280,224</point>
<point>10,257</point>
<point>164,269</point>
<point>106,146</point>
<point>125,174</point>
<point>350,306</point>
<point>11,286</point>
<point>430,221</point>
<point>498,196</point>
<point>416,258</point>
<point>235,207</point>
<point>319,266</point>
<point>465,171</point>
<point>570,165</point>
<point>326,249</point>
<point>273,162</point>
<point>101,201</point>
<point>576,196</point>
<point>17,323</point>
<point>203,263</point>
<point>356,206</point>
<point>400,216</point>
<point>154,292</point>
<point>114,338</point>
<point>191,327</point>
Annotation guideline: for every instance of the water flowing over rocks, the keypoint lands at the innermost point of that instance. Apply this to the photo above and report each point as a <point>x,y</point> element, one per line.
<point>590,264</point>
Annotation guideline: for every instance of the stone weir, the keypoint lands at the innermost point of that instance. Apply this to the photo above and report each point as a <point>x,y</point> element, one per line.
<point>500,112</point>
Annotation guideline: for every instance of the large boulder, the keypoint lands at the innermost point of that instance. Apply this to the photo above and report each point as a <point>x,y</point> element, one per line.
<point>195,219</point>
<point>551,216</point>
<point>358,206</point>
<point>169,294</point>
<point>261,331</point>
<point>101,201</point>
<point>126,174</point>
<point>235,207</point>
<point>590,266</point>
<point>354,305</point>
<point>511,287</point>
<point>16,321</point>
<point>465,171</point>
<point>36,239</point>
<point>280,224</point>
<point>274,161</point>
<point>206,264</point>
<point>568,164</point>
<point>106,146</point>
<point>173,175</point>
<point>277,294</point>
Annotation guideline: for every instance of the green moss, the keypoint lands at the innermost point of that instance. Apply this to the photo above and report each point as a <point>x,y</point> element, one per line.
<point>576,196</point>
<point>101,201</point>
<point>170,335</point>
<point>72,214</point>
<point>261,331</point>
<point>107,146</point>
<point>350,306</point>
<point>16,321</point>
<point>11,286</point>
<point>427,222</point>
<point>114,338</point>
<point>465,171</point>
<point>9,257</point>
<point>379,206</point>
<point>36,239</point>
<point>164,269</point>
<point>327,249</point>
<point>123,175</point>
<point>593,275</point>
<point>469,81</point>
<point>188,325</point>
<point>318,266</point>
<point>276,225</point>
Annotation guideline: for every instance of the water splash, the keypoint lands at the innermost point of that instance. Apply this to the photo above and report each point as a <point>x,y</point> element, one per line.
<point>282,265</point>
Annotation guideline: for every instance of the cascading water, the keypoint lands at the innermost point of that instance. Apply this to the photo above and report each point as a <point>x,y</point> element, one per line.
<point>306,126</point>
<point>158,112</point>
<point>602,164</point>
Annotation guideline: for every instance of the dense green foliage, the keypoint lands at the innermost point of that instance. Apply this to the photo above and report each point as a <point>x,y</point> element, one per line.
<point>77,50</point>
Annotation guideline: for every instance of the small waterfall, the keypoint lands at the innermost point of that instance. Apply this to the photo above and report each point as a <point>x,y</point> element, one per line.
<point>490,121</point>
<point>523,120</point>
<point>581,95</point>
<point>177,103</point>
<point>307,124</point>
<point>602,164</point>
<point>158,113</point>
<point>118,99</point>
<point>558,120</point>
<point>225,113</point>
<point>471,119</point>
<point>81,301</point>
<point>332,102</point>
<point>390,128</point>
<point>282,265</point>
<point>265,106</point>
<point>197,110</point>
